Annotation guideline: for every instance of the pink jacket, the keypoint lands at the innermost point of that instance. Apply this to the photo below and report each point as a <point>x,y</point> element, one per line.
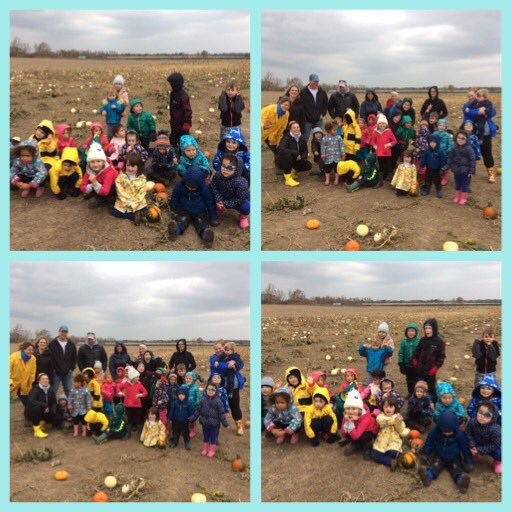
<point>365,423</point>
<point>107,391</point>
<point>130,394</point>
<point>106,178</point>
<point>381,140</point>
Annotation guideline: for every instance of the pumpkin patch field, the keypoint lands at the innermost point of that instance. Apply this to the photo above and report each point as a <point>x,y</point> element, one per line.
<point>71,91</point>
<point>62,468</point>
<point>327,338</point>
<point>394,223</point>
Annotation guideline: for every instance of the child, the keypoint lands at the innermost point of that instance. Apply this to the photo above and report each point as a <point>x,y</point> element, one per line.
<point>447,447</point>
<point>486,353</point>
<point>369,176</point>
<point>405,177</point>
<point>163,161</point>
<point>283,418</point>
<point>384,336</point>
<point>447,399</point>
<point>372,392</point>
<point>118,384</point>
<point>161,399</point>
<point>469,129</point>
<point>318,379</point>
<point>421,144</point>
<point>116,145</point>
<point>394,97</point>
<point>366,138</point>
<point>133,145</point>
<point>484,434</point>
<point>216,379</point>
<point>382,141</point>
<point>96,137</point>
<point>172,388</point>
<point>316,148</point>
<point>433,118</point>
<point>445,142</point>
<point>79,402</point>
<point>350,383</point>
<point>233,143</point>
<point>94,388</point>
<point>388,445</point>
<point>192,202</point>
<point>487,390</point>
<point>112,108</point>
<point>118,428</point>
<point>27,171</point>
<point>62,411</point>
<point>405,134</point>
<point>351,135</point>
<point>230,378</point>
<point>332,151</point>
<point>180,110</point>
<point>141,122</point>
<point>429,356</point>
<point>267,388</point>
<point>319,418</point>
<point>461,161</point>
<point>231,106</point>
<point>434,161</point>
<point>133,392</point>
<point>375,353</point>
<point>180,413</point>
<point>153,432</point>
<point>211,415</point>
<point>181,371</point>
<point>301,391</point>
<point>394,124</point>
<point>46,143</point>
<point>387,387</point>
<point>419,408</point>
<point>63,132</point>
<point>131,190</point>
<point>97,425</point>
<point>98,182</point>
<point>107,393</point>
<point>405,355</point>
<point>66,175</point>
<point>230,191</point>
<point>359,427</point>
<point>482,119</point>
<point>194,397</point>
<point>98,371</point>
<point>192,156</point>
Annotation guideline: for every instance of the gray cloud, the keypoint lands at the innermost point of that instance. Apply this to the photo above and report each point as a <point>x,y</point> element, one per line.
<point>135,31</point>
<point>394,281</point>
<point>384,48</point>
<point>147,300</point>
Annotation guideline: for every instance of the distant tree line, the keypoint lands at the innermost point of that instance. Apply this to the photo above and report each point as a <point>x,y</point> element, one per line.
<point>273,295</point>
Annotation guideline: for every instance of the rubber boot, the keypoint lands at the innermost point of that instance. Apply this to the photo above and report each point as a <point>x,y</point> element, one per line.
<point>102,438</point>
<point>352,187</point>
<point>280,439</point>
<point>497,466</point>
<point>456,199</point>
<point>289,181</point>
<point>192,430</point>
<point>491,173</point>
<point>75,430</point>
<point>444,178</point>
<point>206,447</point>
<point>336,179</point>
<point>240,428</point>
<point>26,192</point>
<point>463,198</point>
<point>38,432</point>
<point>244,221</point>
<point>295,174</point>
<point>211,451</point>
<point>84,430</point>
<point>328,178</point>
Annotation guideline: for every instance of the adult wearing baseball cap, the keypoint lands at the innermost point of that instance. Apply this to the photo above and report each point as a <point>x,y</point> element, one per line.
<point>90,352</point>
<point>342,100</point>
<point>315,103</point>
<point>63,352</point>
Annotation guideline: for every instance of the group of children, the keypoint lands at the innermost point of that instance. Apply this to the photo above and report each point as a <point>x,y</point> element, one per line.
<point>386,147</point>
<point>367,417</point>
<point>113,166</point>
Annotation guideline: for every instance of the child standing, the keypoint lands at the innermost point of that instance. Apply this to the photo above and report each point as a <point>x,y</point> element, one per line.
<point>180,413</point>
<point>319,418</point>
<point>107,393</point>
<point>419,408</point>
<point>383,140</point>
<point>421,144</point>
<point>112,108</point>
<point>405,177</point>
<point>486,353</point>
<point>133,391</point>
<point>233,143</point>
<point>316,148</point>
<point>447,399</point>
<point>161,398</point>
<point>194,397</point>
<point>487,390</point>
<point>192,156</point>
<point>445,142</point>
<point>434,161</point>
<point>79,402</point>
<point>66,175</point>
<point>461,160</point>
<point>231,106</point>
<point>405,356</point>
<point>469,129</point>
<point>405,134</point>
<point>351,135</point>
<point>94,388</point>
<point>375,353</point>
<point>27,171</point>
<point>163,161</point>
<point>283,418</point>
<point>141,122</point>
<point>332,151</point>
<point>153,431</point>
<point>180,111</point>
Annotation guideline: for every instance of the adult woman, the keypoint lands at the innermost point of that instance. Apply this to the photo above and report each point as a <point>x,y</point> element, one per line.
<point>118,358</point>
<point>406,107</point>
<point>370,105</point>
<point>44,362</point>
<point>274,120</point>
<point>42,406</point>
<point>292,154</point>
<point>296,112</point>
<point>22,371</point>
<point>182,355</point>
<point>433,104</point>
<point>218,365</point>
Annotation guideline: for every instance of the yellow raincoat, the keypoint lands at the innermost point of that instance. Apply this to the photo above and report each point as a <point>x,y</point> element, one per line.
<point>96,417</point>
<point>95,389</point>
<point>273,133</point>
<point>131,195</point>
<point>302,394</point>
<point>153,433</point>
<point>346,166</point>
<point>351,133</point>
<point>48,151</point>
<point>312,413</point>
<point>70,154</point>
<point>22,374</point>
<point>404,178</point>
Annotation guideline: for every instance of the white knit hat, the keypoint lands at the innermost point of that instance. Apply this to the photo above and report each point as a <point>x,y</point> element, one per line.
<point>354,400</point>
<point>383,327</point>
<point>118,79</point>
<point>96,153</point>
<point>132,373</point>
<point>381,118</point>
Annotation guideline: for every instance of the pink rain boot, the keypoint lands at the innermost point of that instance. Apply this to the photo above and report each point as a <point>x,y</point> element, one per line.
<point>244,221</point>
<point>444,178</point>
<point>211,451</point>
<point>497,466</point>
<point>39,191</point>
<point>204,451</point>
<point>336,179</point>
<point>75,430</point>
<point>280,439</point>
<point>25,192</point>
<point>456,199</point>
<point>463,198</point>
<point>192,430</point>
<point>84,430</point>
<point>327,178</point>
<point>294,439</point>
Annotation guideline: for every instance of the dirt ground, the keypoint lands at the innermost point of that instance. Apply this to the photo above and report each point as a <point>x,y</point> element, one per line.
<point>302,336</point>
<point>422,223</point>
<point>171,475</point>
<point>49,224</point>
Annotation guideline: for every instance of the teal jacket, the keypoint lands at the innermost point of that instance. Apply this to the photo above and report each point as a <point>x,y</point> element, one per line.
<point>408,347</point>
<point>143,124</point>
<point>444,388</point>
<point>199,160</point>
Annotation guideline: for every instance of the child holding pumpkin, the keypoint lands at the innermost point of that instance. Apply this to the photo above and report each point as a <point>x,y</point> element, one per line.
<point>283,417</point>
<point>153,432</point>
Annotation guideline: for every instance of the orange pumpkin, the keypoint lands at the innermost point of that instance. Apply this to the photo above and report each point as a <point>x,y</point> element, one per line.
<point>417,444</point>
<point>61,475</point>
<point>237,464</point>
<point>408,460</point>
<point>162,196</point>
<point>489,212</point>
<point>153,214</point>
<point>100,497</point>
<point>415,434</point>
<point>159,187</point>
<point>352,245</point>
<point>313,224</point>
<point>207,154</point>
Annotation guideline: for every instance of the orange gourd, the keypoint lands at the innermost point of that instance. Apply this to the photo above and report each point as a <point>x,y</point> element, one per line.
<point>489,212</point>
<point>352,245</point>
<point>237,464</point>
<point>100,497</point>
<point>163,196</point>
<point>159,187</point>
<point>61,475</point>
<point>417,444</point>
<point>313,224</point>
<point>153,214</point>
<point>408,460</point>
<point>415,434</point>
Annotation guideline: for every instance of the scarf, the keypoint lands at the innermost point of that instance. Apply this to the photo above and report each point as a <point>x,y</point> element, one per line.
<point>44,388</point>
<point>280,111</point>
<point>24,356</point>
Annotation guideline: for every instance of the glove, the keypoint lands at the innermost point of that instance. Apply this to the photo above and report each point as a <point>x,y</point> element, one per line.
<point>186,128</point>
<point>402,368</point>
<point>315,442</point>
<point>433,371</point>
<point>331,438</point>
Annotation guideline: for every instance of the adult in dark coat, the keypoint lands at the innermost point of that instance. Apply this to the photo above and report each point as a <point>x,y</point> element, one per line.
<point>370,105</point>
<point>296,112</point>
<point>44,360</point>
<point>180,111</point>
<point>405,107</point>
<point>90,352</point>
<point>119,357</point>
<point>315,102</point>
<point>182,355</point>
<point>63,352</point>
<point>292,154</point>
<point>433,104</point>
<point>342,100</point>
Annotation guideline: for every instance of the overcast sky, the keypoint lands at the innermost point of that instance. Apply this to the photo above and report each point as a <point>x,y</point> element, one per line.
<point>133,300</point>
<point>135,31</point>
<point>392,281</point>
<point>384,48</point>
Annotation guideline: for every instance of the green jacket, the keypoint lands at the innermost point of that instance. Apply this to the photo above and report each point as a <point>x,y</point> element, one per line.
<point>408,347</point>
<point>403,134</point>
<point>143,124</point>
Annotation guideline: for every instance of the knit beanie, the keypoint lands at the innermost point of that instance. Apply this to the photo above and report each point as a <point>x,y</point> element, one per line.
<point>354,400</point>
<point>97,365</point>
<point>162,140</point>
<point>422,385</point>
<point>317,129</point>
<point>63,397</point>
<point>132,373</point>
<point>96,153</point>
<point>381,118</point>
<point>118,79</point>
<point>268,381</point>
<point>383,327</point>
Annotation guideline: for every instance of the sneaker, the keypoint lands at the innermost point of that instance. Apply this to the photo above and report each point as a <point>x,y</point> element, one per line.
<point>187,445</point>
<point>172,230</point>
<point>463,483</point>
<point>208,236</point>
<point>425,477</point>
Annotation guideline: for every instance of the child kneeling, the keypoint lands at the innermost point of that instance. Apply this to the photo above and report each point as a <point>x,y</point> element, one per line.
<point>319,418</point>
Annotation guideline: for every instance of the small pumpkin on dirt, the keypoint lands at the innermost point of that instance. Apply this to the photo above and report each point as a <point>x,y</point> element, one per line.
<point>415,434</point>
<point>153,214</point>
<point>247,423</point>
<point>313,224</point>
<point>161,444</point>
<point>61,475</point>
<point>110,481</point>
<point>352,245</point>
<point>462,400</point>
<point>417,444</point>
<point>198,497</point>
<point>159,187</point>
<point>408,460</point>
<point>162,196</point>
<point>100,497</point>
<point>489,212</point>
<point>237,464</point>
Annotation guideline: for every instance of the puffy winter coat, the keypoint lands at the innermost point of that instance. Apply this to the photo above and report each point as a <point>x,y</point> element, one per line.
<point>231,109</point>
<point>430,353</point>
<point>179,105</point>
<point>62,142</point>
<point>302,393</point>
<point>96,417</point>
<point>142,123</point>
<point>105,181</point>
<point>131,390</point>
<point>477,399</point>
<point>290,416</point>
<point>485,438</point>
<point>408,347</point>
<point>339,103</point>
<point>314,108</point>
<point>445,388</point>
<point>232,191</point>
<point>199,159</point>
<point>461,160</point>
<point>382,142</point>
<point>486,356</point>
<point>113,109</point>
<point>375,356</point>
<point>365,423</point>
<point>211,412</point>
<point>242,153</point>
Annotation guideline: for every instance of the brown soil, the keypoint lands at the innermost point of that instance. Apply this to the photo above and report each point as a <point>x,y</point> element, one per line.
<point>302,336</point>
<point>49,224</point>
<point>170,475</point>
<point>423,223</point>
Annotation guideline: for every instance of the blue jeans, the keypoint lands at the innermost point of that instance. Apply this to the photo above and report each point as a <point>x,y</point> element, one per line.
<point>67,382</point>
<point>462,182</point>
<point>384,458</point>
<point>309,126</point>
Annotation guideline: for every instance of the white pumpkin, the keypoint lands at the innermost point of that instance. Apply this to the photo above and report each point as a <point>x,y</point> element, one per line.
<point>198,497</point>
<point>73,110</point>
<point>328,357</point>
<point>126,488</point>
<point>377,237</point>
<point>110,481</point>
<point>466,356</point>
<point>362,230</point>
<point>450,246</point>
<point>211,110</point>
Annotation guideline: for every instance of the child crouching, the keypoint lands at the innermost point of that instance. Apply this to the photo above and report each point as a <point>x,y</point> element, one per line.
<point>153,432</point>
<point>419,408</point>
<point>319,418</point>
<point>283,418</point>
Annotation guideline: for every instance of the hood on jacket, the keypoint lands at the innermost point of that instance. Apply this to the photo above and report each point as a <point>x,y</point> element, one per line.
<point>323,393</point>
<point>492,408</point>
<point>70,155</point>
<point>448,420</point>
<point>134,102</point>
<point>236,135</point>
<point>183,389</point>
<point>414,326</point>
<point>350,116</point>
<point>30,145</point>
<point>90,372</point>
<point>368,91</point>
<point>46,123</point>
<point>194,176</point>
<point>94,125</point>
<point>176,80</point>
<point>435,89</point>
<point>119,344</point>
<point>387,379</point>
<point>316,374</point>
<point>119,410</point>
<point>61,128</point>
<point>372,119</point>
<point>188,140</point>
<point>193,375</point>
<point>488,380</point>
<point>353,370</point>
<point>184,342</point>
<point>423,130</point>
<point>433,323</point>
<point>293,370</point>
<point>445,388</point>
<point>443,121</point>
<point>406,119</point>
<point>286,392</point>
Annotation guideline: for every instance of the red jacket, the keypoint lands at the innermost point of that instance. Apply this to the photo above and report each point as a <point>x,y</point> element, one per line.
<point>366,423</point>
<point>366,136</point>
<point>61,141</point>
<point>106,178</point>
<point>381,140</point>
<point>108,390</point>
<point>130,394</point>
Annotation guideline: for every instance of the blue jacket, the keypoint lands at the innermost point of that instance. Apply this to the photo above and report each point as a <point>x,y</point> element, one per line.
<point>485,438</point>
<point>375,358</point>
<point>242,153</point>
<point>181,410</point>
<point>448,448</point>
<point>194,202</point>
<point>167,159</point>
<point>113,114</point>
<point>495,399</point>
<point>211,412</point>
<point>433,159</point>
<point>461,160</point>
<point>223,395</point>
<point>470,112</point>
<point>35,171</point>
<point>419,408</point>
<point>232,192</point>
<point>185,163</point>
<point>223,367</point>
<point>194,396</point>
<point>444,388</point>
<point>444,140</point>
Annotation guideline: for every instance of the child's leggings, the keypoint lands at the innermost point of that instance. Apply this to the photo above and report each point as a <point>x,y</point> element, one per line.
<point>244,208</point>
<point>321,425</point>
<point>162,414</point>
<point>281,425</point>
<point>134,416</point>
<point>384,458</point>
<point>210,435</point>
<point>79,419</point>
<point>385,167</point>
<point>462,182</point>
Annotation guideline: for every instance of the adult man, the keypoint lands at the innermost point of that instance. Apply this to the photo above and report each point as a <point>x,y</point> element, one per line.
<point>342,100</point>
<point>90,352</point>
<point>315,104</point>
<point>63,354</point>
